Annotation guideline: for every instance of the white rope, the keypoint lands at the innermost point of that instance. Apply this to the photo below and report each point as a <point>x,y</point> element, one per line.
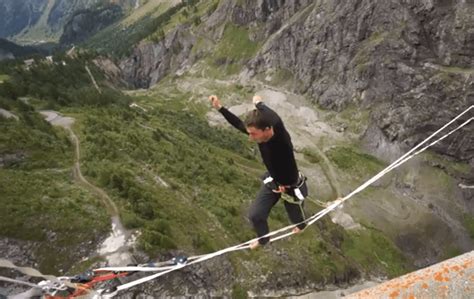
<point>43,287</point>
<point>32,285</point>
<point>436,141</point>
<point>26,270</point>
<point>395,164</point>
<point>309,221</point>
<point>199,258</point>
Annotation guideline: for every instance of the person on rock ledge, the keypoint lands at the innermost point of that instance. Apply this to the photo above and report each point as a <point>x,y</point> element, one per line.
<point>264,126</point>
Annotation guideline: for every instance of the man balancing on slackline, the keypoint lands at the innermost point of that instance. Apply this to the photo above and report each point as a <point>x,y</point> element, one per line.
<point>265,127</point>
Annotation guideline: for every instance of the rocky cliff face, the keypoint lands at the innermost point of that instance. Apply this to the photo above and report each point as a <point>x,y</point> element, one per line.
<point>16,15</point>
<point>409,62</point>
<point>150,62</point>
<point>62,11</point>
<point>86,23</point>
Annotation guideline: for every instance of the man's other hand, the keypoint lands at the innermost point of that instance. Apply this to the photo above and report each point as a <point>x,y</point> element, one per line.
<point>256,99</point>
<point>215,102</point>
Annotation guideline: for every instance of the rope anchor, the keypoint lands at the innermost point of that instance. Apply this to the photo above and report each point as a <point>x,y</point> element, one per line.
<point>180,260</point>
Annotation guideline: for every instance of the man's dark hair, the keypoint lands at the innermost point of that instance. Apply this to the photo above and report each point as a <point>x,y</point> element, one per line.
<point>257,119</point>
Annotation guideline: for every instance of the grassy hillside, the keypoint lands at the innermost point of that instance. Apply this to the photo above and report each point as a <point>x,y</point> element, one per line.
<point>40,201</point>
<point>119,38</point>
<point>150,23</point>
<point>212,175</point>
<point>39,30</point>
<point>124,151</point>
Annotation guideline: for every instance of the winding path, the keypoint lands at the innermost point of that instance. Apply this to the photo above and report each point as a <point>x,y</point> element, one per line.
<point>116,248</point>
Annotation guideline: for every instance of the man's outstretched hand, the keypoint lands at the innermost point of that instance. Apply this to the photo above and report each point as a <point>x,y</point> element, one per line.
<point>256,99</point>
<point>215,102</point>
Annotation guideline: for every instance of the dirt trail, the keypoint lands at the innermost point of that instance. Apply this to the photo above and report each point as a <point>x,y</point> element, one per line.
<point>66,122</point>
<point>108,203</point>
<point>116,248</point>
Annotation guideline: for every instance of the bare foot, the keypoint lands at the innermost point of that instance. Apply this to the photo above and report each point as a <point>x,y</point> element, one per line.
<point>297,230</point>
<point>338,201</point>
<point>254,245</point>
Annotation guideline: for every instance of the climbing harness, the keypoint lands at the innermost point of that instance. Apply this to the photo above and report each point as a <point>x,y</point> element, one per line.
<point>299,190</point>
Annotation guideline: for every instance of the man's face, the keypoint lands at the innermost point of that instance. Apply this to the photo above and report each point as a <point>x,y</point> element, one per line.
<point>259,135</point>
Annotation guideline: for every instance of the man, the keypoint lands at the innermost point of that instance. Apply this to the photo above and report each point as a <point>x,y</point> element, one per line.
<point>265,127</point>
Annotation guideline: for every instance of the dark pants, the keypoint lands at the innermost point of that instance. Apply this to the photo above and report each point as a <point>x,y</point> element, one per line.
<point>260,209</point>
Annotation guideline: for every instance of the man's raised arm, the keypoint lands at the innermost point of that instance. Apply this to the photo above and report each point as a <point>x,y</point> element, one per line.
<point>270,115</point>
<point>234,120</point>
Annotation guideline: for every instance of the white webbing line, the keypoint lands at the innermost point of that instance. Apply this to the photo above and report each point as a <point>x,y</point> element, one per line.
<point>238,247</point>
<point>402,158</point>
<point>200,258</point>
<point>400,161</point>
<point>340,201</point>
<point>312,219</point>
<point>26,283</point>
<point>434,142</point>
<point>27,270</point>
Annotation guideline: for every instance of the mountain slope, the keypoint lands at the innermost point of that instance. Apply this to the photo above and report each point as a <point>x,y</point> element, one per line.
<point>29,22</point>
<point>335,53</point>
<point>118,39</point>
<point>85,23</point>
<point>17,15</point>
<point>357,84</point>
<point>403,75</point>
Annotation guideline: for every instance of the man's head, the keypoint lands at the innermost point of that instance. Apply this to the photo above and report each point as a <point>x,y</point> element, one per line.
<point>258,126</point>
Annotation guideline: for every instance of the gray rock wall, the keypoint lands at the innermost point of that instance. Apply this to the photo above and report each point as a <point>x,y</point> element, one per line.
<point>15,15</point>
<point>85,23</point>
<point>410,62</point>
<point>150,62</point>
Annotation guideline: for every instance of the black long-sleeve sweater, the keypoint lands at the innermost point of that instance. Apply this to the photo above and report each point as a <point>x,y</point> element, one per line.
<point>277,153</point>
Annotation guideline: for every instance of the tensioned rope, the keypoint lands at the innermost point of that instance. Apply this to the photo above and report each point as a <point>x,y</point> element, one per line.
<point>51,284</point>
<point>197,259</point>
<point>194,260</point>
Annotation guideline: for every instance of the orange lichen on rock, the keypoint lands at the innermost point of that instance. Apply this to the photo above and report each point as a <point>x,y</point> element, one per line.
<point>450,279</point>
<point>443,290</point>
<point>438,276</point>
<point>466,264</point>
<point>455,268</point>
